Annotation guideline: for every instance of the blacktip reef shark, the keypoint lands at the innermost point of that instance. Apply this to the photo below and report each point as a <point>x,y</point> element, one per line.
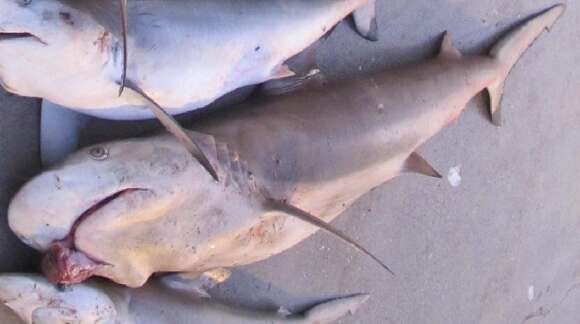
<point>125,210</point>
<point>31,299</point>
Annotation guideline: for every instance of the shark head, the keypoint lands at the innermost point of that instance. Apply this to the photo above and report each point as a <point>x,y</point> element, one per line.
<point>35,300</point>
<point>122,210</point>
<point>48,47</point>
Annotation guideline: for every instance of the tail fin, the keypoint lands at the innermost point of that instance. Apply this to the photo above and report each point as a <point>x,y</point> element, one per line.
<point>512,46</point>
<point>334,310</point>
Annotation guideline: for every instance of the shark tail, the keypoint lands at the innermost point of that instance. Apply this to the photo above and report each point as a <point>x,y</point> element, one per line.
<point>332,311</point>
<point>512,46</point>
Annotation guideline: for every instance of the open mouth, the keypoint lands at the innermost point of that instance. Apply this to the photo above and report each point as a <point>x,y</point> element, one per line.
<point>63,263</point>
<point>19,35</point>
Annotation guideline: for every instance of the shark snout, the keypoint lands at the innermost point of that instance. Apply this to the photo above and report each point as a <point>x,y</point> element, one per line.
<point>46,209</point>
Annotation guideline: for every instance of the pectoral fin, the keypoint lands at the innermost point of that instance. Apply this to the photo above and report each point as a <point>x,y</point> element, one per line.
<point>365,21</point>
<point>277,205</point>
<point>60,129</point>
<point>125,27</point>
<point>174,128</point>
<point>195,283</point>
<point>333,310</point>
<point>417,164</point>
<point>312,80</point>
<point>282,71</point>
<point>306,75</point>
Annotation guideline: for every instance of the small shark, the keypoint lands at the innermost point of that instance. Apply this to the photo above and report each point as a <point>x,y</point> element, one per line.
<point>182,54</point>
<point>286,166</point>
<point>31,299</point>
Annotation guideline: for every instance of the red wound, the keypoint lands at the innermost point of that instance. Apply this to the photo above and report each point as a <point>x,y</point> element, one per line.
<point>66,266</point>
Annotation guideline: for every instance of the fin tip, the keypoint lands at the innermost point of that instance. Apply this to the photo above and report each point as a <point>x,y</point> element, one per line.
<point>366,22</point>
<point>373,33</point>
<point>415,163</point>
<point>447,49</point>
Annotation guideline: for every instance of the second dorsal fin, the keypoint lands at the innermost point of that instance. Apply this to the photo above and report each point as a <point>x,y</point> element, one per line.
<point>447,50</point>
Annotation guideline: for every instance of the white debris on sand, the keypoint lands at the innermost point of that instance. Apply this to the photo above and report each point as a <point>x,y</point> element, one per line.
<point>531,293</point>
<point>454,176</point>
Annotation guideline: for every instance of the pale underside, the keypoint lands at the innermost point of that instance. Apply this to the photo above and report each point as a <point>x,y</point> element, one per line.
<point>184,55</point>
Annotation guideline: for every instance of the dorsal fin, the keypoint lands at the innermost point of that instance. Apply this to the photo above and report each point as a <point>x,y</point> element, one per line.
<point>447,50</point>
<point>230,168</point>
<point>281,206</point>
<point>415,163</point>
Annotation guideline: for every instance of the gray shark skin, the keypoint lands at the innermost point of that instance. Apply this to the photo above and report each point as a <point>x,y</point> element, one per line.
<point>127,209</point>
<point>31,299</point>
<point>182,54</point>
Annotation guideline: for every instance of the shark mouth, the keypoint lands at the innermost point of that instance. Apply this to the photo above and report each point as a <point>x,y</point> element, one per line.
<point>4,36</point>
<point>63,263</point>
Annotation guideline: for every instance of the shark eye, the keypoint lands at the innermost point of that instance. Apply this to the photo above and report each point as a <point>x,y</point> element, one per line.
<point>99,153</point>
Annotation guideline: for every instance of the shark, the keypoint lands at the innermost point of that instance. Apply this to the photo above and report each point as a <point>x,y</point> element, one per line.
<point>282,167</point>
<point>182,54</point>
<point>31,299</point>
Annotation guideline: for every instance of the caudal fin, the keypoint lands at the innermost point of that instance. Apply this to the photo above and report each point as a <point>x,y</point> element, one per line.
<point>334,310</point>
<point>512,46</point>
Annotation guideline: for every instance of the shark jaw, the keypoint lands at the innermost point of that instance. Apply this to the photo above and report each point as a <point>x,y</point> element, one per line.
<point>64,263</point>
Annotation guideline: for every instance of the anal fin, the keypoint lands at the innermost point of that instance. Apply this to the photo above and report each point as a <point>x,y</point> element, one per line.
<point>60,129</point>
<point>417,164</point>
